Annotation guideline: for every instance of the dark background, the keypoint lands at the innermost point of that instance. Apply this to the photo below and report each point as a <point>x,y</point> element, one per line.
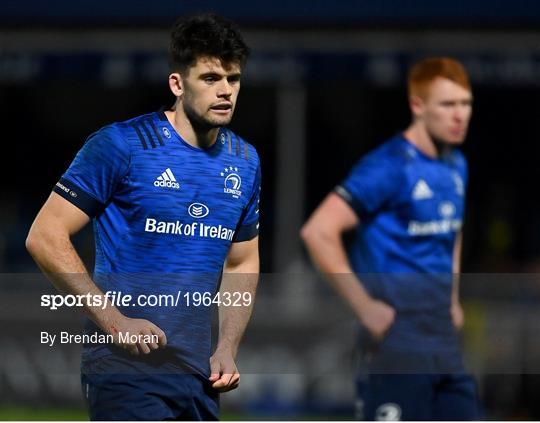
<point>68,68</point>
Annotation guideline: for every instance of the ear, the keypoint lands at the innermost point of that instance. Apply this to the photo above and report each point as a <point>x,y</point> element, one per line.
<point>416,103</point>
<point>176,84</point>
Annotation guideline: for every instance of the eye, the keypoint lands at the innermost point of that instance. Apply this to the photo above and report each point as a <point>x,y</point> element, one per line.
<point>210,78</point>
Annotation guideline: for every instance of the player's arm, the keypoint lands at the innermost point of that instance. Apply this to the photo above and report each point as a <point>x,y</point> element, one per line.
<point>322,235</point>
<point>240,277</point>
<point>49,243</point>
<point>458,316</point>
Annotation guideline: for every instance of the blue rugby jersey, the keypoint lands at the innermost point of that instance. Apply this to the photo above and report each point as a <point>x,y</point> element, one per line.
<point>165,214</point>
<point>410,208</point>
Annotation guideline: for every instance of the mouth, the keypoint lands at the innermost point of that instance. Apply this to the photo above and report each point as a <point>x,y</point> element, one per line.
<point>222,108</point>
<point>457,131</point>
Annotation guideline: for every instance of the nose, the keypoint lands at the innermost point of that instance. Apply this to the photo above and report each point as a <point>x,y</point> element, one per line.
<point>461,112</point>
<point>224,89</point>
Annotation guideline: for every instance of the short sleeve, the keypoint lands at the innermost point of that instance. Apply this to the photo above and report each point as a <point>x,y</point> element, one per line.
<point>371,184</point>
<point>93,176</point>
<point>248,227</point>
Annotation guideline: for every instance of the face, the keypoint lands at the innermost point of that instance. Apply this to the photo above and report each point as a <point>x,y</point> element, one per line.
<point>209,92</point>
<point>445,112</point>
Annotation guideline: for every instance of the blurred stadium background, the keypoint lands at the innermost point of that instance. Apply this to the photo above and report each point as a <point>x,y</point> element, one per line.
<point>326,83</point>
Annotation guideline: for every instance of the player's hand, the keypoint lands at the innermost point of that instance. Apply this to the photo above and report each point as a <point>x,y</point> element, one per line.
<point>458,317</point>
<point>143,329</point>
<point>224,374</point>
<point>377,317</point>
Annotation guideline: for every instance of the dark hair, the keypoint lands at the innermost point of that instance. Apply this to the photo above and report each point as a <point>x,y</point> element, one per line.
<point>205,35</point>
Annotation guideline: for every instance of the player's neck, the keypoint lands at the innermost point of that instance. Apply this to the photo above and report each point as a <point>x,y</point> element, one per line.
<point>416,134</point>
<point>196,138</point>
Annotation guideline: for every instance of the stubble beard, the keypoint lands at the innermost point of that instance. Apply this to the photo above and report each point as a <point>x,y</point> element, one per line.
<point>201,123</point>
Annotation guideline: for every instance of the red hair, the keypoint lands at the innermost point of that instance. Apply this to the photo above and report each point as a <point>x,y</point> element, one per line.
<point>424,72</point>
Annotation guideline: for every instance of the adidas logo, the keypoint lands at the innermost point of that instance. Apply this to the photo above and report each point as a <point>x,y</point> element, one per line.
<point>421,191</point>
<point>167,180</point>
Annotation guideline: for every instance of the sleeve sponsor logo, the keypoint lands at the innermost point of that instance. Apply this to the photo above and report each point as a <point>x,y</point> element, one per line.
<point>66,190</point>
<point>344,193</point>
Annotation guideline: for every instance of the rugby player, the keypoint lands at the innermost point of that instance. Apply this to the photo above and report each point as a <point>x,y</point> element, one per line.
<point>405,201</point>
<point>173,196</point>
